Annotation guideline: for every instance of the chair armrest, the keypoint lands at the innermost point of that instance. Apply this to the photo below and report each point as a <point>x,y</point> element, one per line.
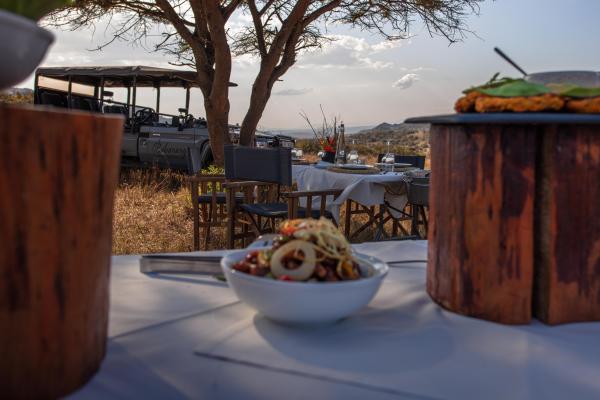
<point>244,184</point>
<point>206,178</point>
<point>293,200</point>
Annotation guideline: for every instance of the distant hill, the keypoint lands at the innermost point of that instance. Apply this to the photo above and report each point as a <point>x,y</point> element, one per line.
<point>414,137</point>
<point>392,130</point>
<point>304,133</point>
<point>21,91</point>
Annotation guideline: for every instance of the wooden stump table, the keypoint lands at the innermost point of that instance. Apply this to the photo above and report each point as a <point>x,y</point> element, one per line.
<point>515,216</point>
<point>58,173</point>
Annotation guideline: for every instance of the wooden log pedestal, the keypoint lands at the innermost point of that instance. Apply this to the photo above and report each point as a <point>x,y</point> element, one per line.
<point>58,173</point>
<point>515,216</point>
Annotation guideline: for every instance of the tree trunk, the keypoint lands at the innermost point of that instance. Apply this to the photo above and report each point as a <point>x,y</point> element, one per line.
<point>261,92</point>
<point>217,118</point>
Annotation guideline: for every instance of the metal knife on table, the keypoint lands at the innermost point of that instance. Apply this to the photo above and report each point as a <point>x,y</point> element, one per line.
<point>180,264</point>
<point>192,264</point>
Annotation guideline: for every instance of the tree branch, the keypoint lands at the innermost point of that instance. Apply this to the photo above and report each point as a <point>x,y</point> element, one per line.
<point>216,26</point>
<point>258,28</point>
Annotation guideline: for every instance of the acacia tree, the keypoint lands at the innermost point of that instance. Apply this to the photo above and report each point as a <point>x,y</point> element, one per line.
<point>195,33</point>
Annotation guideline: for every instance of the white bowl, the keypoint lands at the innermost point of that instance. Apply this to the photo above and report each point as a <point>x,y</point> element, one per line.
<point>305,302</point>
<point>23,46</point>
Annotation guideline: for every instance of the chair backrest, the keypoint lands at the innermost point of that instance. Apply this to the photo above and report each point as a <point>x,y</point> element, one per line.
<point>415,161</point>
<point>272,165</point>
<point>418,194</point>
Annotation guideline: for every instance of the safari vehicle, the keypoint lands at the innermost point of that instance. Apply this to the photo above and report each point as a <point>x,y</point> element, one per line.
<point>150,137</point>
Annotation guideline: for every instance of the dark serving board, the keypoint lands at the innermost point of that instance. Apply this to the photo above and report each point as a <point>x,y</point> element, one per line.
<point>508,118</point>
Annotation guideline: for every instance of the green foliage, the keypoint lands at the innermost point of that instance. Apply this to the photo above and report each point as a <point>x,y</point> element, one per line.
<point>213,170</point>
<point>33,9</point>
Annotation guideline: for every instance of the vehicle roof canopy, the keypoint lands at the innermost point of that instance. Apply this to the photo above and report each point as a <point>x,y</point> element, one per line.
<point>123,76</point>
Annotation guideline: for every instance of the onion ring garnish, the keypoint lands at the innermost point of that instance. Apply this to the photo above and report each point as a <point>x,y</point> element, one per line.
<point>295,247</point>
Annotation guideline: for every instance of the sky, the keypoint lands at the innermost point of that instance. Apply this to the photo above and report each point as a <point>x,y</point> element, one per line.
<point>365,80</point>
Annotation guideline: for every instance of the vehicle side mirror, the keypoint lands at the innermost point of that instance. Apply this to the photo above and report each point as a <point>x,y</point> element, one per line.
<point>106,93</point>
<point>183,110</point>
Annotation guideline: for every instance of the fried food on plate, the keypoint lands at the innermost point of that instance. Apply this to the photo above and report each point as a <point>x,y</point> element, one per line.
<point>584,106</point>
<point>466,103</point>
<point>540,103</point>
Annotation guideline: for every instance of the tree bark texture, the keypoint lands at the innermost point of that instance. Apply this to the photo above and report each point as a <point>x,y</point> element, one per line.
<point>217,118</point>
<point>481,226</point>
<point>258,102</point>
<point>58,173</point>
<point>567,286</point>
<point>515,222</point>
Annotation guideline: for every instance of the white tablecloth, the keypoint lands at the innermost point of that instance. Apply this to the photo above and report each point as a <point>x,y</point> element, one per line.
<point>188,337</point>
<point>368,190</point>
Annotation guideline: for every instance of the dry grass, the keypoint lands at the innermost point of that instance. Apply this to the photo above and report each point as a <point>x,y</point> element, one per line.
<point>152,213</point>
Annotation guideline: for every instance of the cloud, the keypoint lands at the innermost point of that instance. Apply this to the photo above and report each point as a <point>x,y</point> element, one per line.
<point>418,69</point>
<point>345,51</point>
<point>406,81</point>
<point>293,92</point>
<point>387,45</point>
<point>245,61</point>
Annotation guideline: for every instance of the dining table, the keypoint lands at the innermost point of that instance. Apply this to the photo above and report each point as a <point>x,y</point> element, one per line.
<point>366,189</point>
<point>186,336</point>
<point>361,192</point>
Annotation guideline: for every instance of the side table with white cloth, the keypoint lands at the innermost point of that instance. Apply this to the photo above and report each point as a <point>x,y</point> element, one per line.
<point>186,336</point>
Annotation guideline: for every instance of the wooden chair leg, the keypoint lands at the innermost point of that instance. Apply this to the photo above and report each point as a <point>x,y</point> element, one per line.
<point>195,215</point>
<point>414,230</point>
<point>425,222</point>
<point>231,218</point>
<point>255,224</point>
<point>207,227</point>
<point>348,218</point>
<point>395,228</point>
<point>245,233</point>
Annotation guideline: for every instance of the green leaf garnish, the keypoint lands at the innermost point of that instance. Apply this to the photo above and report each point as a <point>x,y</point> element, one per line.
<point>516,88</point>
<point>581,92</point>
<point>509,87</point>
<point>492,83</point>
